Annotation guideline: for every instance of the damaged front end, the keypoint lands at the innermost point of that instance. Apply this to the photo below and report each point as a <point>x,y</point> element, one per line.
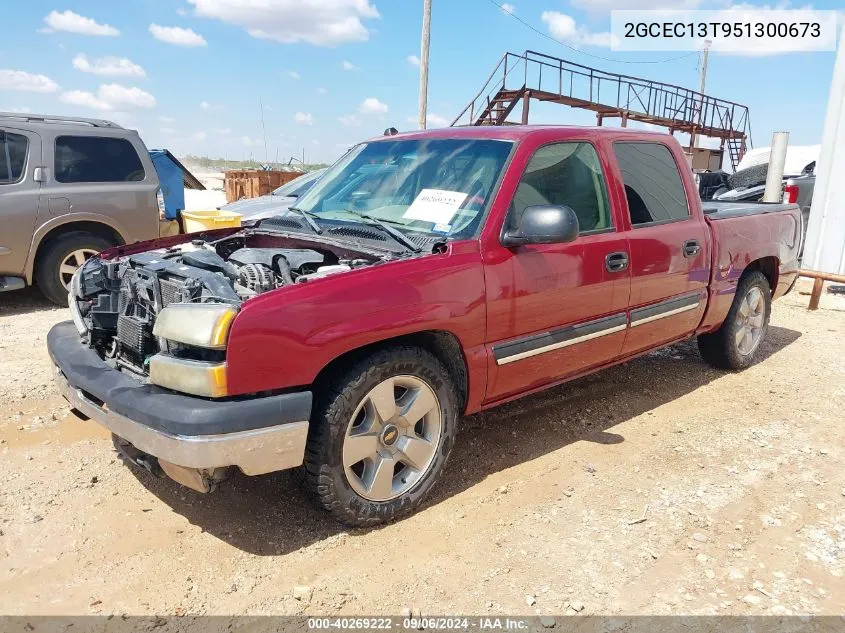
<point>163,315</point>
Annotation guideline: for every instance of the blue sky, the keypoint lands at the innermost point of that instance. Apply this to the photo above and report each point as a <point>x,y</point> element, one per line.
<point>188,74</point>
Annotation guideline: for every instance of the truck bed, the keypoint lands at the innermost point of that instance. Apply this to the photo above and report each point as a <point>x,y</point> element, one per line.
<point>716,210</point>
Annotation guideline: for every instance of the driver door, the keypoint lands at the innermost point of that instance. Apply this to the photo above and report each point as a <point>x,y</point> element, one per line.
<point>556,310</point>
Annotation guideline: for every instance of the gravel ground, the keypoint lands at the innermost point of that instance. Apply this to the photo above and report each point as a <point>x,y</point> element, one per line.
<point>659,486</point>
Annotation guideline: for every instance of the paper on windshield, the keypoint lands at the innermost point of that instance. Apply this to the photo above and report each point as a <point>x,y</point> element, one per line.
<point>437,206</point>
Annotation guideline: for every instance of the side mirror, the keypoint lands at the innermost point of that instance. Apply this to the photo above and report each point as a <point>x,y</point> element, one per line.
<point>543,224</point>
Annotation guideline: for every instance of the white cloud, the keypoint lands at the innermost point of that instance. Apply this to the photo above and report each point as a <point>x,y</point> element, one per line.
<point>108,66</point>
<point>413,60</point>
<point>293,74</point>
<point>84,100</point>
<point>166,119</point>
<point>435,120</point>
<point>20,109</point>
<point>349,119</point>
<point>74,23</point>
<point>116,94</point>
<point>303,118</point>
<point>200,136</point>
<point>509,8</point>
<point>223,131</point>
<point>564,29</point>
<point>318,22</point>
<point>168,131</point>
<point>349,66</point>
<point>371,105</point>
<point>177,36</point>
<point>205,105</point>
<point>251,142</point>
<point>322,91</point>
<point>26,82</point>
<point>108,96</point>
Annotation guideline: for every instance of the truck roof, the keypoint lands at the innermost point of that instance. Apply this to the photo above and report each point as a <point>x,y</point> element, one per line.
<point>522,132</point>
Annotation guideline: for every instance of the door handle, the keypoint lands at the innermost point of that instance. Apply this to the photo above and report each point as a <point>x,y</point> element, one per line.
<point>616,262</point>
<point>691,248</point>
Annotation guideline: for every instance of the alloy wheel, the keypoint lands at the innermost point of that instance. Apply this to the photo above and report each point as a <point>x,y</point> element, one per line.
<point>392,438</point>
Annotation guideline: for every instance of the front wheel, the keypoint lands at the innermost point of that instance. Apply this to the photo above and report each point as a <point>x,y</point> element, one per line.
<point>736,343</point>
<point>380,436</point>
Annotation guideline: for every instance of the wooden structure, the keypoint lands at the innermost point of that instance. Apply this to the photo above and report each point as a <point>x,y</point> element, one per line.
<point>818,285</point>
<point>251,183</point>
<point>519,78</point>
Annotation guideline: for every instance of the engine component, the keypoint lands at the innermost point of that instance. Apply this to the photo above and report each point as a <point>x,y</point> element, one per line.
<point>209,260</point>
<point>257,277</point>
<point>297,258</point>
<point>324,271</point>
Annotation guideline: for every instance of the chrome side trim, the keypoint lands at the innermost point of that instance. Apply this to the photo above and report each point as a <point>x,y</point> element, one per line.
<point>554,346</point>
<point>663,315</point>
<point>255,452</point>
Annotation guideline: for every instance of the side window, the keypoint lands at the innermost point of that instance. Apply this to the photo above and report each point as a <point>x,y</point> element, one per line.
<point>13,149</point>
<point>96,159</point>
<point>653,185</point>
<point>565,174</point>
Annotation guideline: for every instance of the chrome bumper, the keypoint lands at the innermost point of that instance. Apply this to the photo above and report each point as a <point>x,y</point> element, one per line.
<point>255,452</point>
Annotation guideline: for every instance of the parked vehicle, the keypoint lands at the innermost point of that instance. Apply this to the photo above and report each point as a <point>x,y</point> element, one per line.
<point>276,202</point>
<point>799,190</point>
<point>69,188</point>
<point>425,276</point>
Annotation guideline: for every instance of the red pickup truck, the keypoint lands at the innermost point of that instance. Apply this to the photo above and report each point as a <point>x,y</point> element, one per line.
<point>425,276</point>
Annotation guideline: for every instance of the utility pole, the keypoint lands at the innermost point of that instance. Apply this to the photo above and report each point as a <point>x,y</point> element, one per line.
<point>426,36</point>
<point>704,55</point>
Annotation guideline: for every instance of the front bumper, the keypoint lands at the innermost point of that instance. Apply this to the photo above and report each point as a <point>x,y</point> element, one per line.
<point>258,435</point>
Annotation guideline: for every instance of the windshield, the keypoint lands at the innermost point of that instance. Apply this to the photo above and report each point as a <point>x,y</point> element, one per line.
<point>298,186</point>
<point>438,186</point>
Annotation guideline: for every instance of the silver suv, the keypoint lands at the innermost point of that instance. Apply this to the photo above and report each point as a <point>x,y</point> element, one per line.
<point>69,188</point>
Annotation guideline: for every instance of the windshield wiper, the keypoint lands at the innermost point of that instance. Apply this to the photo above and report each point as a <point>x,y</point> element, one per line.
<point>394,233</point>
<point>309,217</point>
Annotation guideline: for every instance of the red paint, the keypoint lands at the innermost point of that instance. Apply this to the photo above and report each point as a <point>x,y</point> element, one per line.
<point>484,293</point>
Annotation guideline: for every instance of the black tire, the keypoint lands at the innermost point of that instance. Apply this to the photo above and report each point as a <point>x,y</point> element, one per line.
<point>721,348</point>
<point>748,177</point>
<point>48,275</point>
<point>337,401</point>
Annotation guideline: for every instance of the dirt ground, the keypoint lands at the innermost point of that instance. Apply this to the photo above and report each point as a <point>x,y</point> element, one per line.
<point>659,486</point>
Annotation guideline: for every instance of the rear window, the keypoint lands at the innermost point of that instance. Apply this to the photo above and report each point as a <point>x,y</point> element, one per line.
<point>12,157</point>
<point>96,159</point>
<point>653,185</point>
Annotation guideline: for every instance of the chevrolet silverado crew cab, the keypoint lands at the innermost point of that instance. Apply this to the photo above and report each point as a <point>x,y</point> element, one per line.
<point>425,276</point>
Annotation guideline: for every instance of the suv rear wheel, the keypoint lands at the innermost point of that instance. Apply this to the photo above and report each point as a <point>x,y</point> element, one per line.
<point>61,257</point>
<point>380,436</point>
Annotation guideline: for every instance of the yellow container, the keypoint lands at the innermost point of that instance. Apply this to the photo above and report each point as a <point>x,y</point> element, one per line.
<point>196,221</point>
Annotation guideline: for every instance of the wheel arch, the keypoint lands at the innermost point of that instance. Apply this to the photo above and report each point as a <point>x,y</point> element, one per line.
<point>445,346</point>
<point>97,225</point>
<point>769,266</point>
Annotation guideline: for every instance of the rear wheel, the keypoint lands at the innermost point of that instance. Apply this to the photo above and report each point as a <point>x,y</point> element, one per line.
<point>61,257</point>
<point>380,436</point>
<point>736,343</point>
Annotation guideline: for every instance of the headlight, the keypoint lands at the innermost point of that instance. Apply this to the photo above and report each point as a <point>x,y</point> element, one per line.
<point>188,376</point>
<point>198,324</point>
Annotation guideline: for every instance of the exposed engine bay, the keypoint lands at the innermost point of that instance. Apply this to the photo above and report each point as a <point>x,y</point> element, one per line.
<point>115,302</point>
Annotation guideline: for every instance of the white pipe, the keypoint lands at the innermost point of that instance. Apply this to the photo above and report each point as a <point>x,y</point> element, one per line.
<point>777,159</point>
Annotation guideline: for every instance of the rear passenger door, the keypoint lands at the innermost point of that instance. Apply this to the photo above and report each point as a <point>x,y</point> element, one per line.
<point>95,174</point>
<point>669,247</point>
<point>20,154</point>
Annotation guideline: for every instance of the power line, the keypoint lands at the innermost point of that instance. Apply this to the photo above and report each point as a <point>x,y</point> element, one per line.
<point>578,50</point>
